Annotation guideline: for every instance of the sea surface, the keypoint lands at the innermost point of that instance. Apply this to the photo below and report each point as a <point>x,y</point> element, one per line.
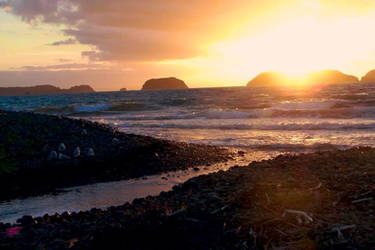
<point>261,121</point>
<point>256,118</point>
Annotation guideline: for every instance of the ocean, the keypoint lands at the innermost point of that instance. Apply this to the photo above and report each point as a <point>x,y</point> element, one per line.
<point>255,118</point>
<point>261,121</point>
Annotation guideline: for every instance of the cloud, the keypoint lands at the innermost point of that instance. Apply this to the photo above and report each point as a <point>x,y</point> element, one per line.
<point>139,30</point>
<point>68,66</point>
<point>64,60</point>
<point>63,42</point>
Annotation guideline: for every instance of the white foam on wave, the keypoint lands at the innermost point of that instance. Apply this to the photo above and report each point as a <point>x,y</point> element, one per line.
<point>269,124</point>
<point>306,105</point>
<point>228,114</point>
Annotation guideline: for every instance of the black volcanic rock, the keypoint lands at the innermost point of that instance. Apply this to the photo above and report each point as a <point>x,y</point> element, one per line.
<point>324,77</point>
<point>44,89</point>
<point>369,77</point>
<point>164,83</point>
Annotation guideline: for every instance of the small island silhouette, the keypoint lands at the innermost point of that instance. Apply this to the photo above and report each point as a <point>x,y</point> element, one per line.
<point>44,89</point>
<point>164,83</point>
<point>324,77</point>
<point>369,77</point>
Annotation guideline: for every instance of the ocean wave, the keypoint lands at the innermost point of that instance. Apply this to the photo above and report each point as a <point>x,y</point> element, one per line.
<point>276,126</point>
<point>54,109</point>
<point>218,114</point>
<point>295,147</point>
<point>305,105</point>
<point>92,108</point>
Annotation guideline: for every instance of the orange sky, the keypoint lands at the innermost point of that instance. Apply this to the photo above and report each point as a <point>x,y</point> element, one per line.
<point>113,44</point>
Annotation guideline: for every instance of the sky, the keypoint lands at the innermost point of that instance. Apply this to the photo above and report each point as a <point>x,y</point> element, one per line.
<point>114,44</point>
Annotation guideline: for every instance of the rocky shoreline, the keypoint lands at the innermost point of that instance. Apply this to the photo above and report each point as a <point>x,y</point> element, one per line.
<point>41,153</point>
<point>322,200</point>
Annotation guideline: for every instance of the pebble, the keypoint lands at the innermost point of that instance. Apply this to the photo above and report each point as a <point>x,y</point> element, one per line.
<point>84,131</point>
<point>62,147</point>
<point>115,140</point>
<point>90,152</point>
<point>52,155</point>
<point>77,152</point>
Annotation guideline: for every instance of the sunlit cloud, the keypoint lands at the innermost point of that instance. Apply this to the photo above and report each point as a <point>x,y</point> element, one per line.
<point>205,41</point>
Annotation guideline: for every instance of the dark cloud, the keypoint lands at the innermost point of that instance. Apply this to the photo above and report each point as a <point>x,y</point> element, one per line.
<point>63,42</point>
<point>134,30</point>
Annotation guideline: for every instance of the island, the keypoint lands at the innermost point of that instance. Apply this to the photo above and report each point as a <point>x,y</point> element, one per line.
<point>324,77</point>
<point>369,77</point>
<point>123,89</point>
<point>44,90</point>
<point>164,83</point>
<point>330,77</point>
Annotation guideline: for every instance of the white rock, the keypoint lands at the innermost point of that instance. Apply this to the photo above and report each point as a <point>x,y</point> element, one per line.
<point>62,147</point>
<point>52,155</point>
<point>90,152</point>
<point>77,152</point>
<point>63,157</point>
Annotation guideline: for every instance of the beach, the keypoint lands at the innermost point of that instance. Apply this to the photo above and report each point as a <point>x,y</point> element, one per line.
<point>27,140</point>
<point>321,200</point>
<point>295,173</point>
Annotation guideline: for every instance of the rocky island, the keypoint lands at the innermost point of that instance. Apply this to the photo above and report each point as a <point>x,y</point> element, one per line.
<point>369,77</point>
<point>164,83</point>
<point>44,90</point>
<point>324,77</point>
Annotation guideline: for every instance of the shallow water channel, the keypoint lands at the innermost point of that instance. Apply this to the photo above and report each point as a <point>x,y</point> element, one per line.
<point>104,195</point>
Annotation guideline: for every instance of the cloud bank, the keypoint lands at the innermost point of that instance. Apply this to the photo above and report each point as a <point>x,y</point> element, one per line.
<point>142,30</point>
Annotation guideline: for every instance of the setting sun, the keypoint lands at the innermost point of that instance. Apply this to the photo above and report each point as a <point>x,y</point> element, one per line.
<point>221,44</point>
<point>187,124</point>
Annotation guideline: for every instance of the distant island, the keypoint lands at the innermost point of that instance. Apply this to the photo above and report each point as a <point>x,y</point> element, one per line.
<point>369,77</point>
<point>44,89</point>
<point>164,83</point>
<point>123,89</point>
<point>324,77</point>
